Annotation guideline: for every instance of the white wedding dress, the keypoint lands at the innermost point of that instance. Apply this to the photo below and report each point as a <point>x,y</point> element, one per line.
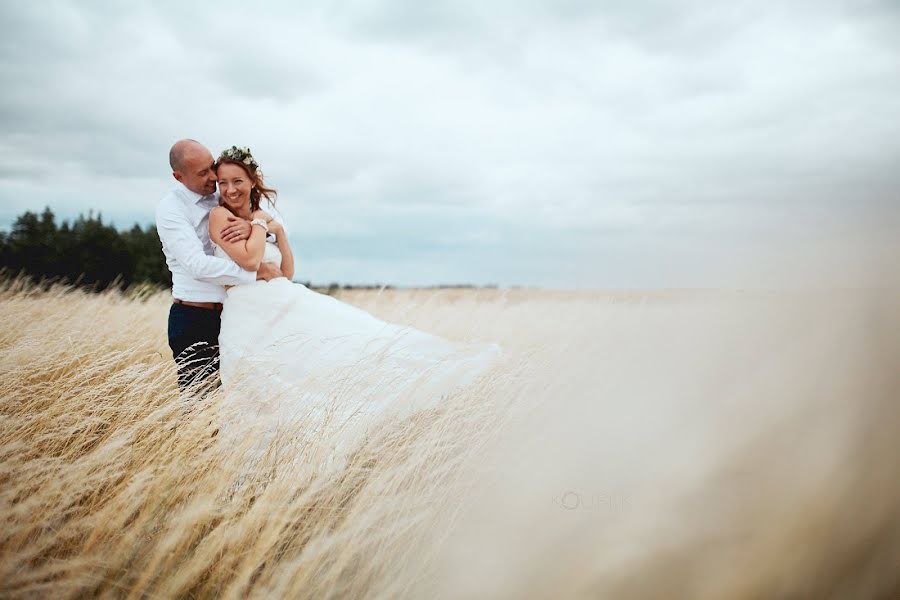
<point>291,355</point>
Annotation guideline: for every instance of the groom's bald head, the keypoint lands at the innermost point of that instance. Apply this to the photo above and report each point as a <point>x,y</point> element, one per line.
<point>192,165</point>
<point>181,149</point>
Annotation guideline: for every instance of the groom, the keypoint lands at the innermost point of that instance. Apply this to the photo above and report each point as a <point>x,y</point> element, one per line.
<point>198,277</point>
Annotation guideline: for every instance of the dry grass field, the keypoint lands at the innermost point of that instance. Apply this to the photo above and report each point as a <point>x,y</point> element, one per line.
<point>631,445</point>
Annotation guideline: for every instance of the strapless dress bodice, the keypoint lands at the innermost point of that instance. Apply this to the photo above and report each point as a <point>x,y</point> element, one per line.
<point>270,255</point>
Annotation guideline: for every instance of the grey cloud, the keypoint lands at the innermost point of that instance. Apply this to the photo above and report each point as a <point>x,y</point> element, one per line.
<point>536,133</point>
<point>405,20</point>
<point>265,77</point>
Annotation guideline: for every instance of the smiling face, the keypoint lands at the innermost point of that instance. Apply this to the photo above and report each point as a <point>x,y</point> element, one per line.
<point>234,187</point>
<point>196,171</point>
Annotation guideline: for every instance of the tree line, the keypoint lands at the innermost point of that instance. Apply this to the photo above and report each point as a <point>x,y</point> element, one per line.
<point>85,252</point>
<point>90,253</point>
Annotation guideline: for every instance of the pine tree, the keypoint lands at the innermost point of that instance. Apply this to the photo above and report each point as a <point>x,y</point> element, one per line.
<point>86,252</point>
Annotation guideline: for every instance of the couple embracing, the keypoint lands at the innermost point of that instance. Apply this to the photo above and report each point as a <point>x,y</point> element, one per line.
<point>237,317</point>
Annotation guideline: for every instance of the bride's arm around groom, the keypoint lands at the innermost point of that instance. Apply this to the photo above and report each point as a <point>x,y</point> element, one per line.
<point>184,249</point>
<point>247,253</point>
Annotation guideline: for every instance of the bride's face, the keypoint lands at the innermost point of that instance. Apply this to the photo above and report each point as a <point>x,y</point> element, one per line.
<point>234,186</point>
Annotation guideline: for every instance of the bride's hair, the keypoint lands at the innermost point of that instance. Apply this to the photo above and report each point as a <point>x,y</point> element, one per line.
<point>242,158</point>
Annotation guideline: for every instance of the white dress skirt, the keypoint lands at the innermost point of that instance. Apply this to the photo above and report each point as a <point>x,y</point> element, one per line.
<point>292,356</point>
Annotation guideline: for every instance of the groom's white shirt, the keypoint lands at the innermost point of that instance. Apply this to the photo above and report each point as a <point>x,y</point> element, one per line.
<point>182,221</point>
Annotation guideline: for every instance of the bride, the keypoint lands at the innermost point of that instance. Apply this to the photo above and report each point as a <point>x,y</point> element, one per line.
<point>293,354</point>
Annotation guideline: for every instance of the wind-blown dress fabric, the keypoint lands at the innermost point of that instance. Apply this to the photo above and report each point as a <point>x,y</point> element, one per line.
<point>290,354</point>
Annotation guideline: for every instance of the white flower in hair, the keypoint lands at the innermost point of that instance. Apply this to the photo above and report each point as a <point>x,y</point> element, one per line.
<point>242,155</point>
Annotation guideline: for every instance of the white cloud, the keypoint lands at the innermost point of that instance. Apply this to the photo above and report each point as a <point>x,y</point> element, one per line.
<point>534,143</point>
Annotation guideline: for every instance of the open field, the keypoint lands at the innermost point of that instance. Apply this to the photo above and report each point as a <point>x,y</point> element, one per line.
<point>632,445</point>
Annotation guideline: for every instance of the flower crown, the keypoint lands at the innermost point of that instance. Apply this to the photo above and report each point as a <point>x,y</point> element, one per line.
<point>241,155</point>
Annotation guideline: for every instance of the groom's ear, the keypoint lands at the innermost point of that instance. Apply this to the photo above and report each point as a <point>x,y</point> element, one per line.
<point>177,175</point>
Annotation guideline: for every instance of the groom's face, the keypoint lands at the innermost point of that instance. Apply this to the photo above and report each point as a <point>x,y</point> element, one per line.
<point>197,173</point>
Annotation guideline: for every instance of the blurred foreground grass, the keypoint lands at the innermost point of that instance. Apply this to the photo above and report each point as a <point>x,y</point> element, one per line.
<point>666,444</point>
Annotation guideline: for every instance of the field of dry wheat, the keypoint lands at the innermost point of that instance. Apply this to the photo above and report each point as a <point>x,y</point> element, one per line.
<point>631,445</point>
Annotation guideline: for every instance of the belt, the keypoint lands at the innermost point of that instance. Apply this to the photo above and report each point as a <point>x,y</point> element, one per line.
<point>206,305</point>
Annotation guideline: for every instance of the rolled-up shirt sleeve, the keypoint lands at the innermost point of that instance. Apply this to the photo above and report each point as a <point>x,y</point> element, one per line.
<point>182,243</point>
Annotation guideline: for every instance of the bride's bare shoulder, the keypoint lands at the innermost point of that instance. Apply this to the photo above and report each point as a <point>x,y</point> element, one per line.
<point>218,217</point>
<point>219,212</point>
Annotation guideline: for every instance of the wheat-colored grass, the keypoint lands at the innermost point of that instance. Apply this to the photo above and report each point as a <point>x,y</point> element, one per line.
<point>666,444</point>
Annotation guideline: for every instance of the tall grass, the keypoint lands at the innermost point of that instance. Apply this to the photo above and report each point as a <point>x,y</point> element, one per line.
<point>704,445</point>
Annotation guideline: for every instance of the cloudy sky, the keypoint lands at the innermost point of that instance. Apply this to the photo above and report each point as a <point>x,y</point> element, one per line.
<point>559,143</point>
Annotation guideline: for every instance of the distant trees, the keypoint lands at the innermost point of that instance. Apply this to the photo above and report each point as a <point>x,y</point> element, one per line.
<point>86,252</point>
<point>93,254</point>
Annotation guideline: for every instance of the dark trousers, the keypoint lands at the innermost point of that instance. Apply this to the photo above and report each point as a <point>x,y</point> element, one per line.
<point>194,340</point>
